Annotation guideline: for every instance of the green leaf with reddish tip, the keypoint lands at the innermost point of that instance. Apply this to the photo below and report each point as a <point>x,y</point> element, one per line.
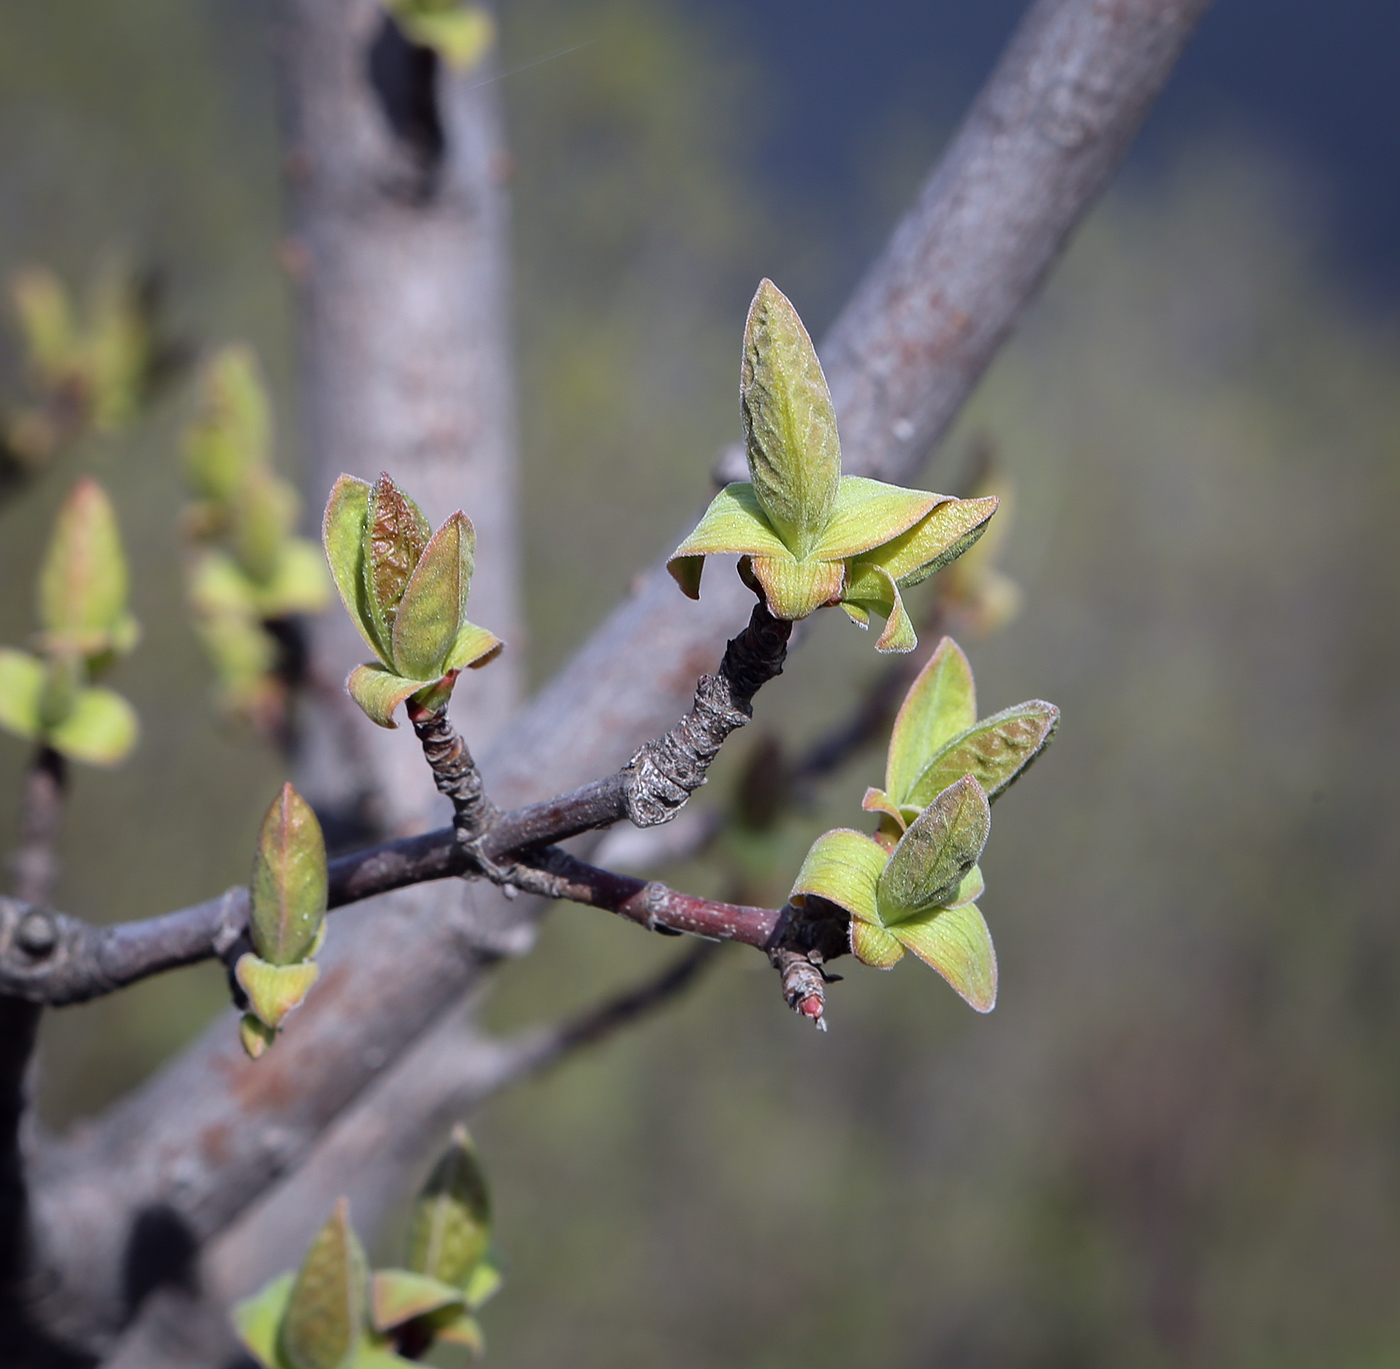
<point>289,881</point>
<point>258,1320</point>
<point>21,693</point>
<point>844,868</point>
<point>343,538</point>
<point>899,635</point>
<point>474,648</point>
<point>874,946</point>
<point>400,1295</point>
<point>273,990</point>
<point>937,539</point>
<point>995,751</point>
<point>450,1228</point>
<point>434,602</point>
<point>789,423</point>
<point>733,524</point>
<point>232,429</point>
<point>939,848</point>
<point>396,534</point>
<point>877,801</point>
<point>867,513</point>
<point>956,942</point>
<point>379,691</point>
<point>83,583</point>
<point>324,1323</point>
<point>941,703</point>
<point>797,589</point>
<point>100,729</point>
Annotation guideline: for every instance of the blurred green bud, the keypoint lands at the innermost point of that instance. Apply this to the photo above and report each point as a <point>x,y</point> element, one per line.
<point>273,990</point>
<point>406,590</point>
<point>83,582</point>
<point>324,1323</point>
<point>450,1226</point>
<point>289,883</point>
<point>808,535</point>
<point>461,34</point>
<point>22,679</point>
<point>231,432</point>
<point>262,512</point>
<point>255,1036</point>
<point>118,347</point>
<point>46,322</point>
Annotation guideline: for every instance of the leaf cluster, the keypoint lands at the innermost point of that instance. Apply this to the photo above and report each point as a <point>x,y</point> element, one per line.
<point>334,1313</point>
<point>405,587</point>
<point>913,885</point>
<point>247,569</point>
<point>807,535</point>
<point>49,695</point>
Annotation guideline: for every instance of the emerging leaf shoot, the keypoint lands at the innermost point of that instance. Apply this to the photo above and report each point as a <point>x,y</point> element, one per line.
<point>405,588</point>
<point>809,536</point>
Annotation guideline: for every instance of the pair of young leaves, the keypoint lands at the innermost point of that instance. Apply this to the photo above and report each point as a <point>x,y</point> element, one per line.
<point>49,697</point>
<point>912,886</point>
<point>808,535</point>
<point>286,920</point>
<point>405,587</point>
<point>333,1313</point>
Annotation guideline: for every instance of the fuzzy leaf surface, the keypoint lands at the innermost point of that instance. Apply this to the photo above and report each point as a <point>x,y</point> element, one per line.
<point>434,603</point>
<point>935,541</point>
<point>734,523</point>
<point>289,881</point>
<point>325,1317</point>
<point>473,648</point>
<point>941,703</point>
<point>395,537</point>
<point>874,946</point>
<point>867,513</point>
<point>843,867</point>
<point>797,589</point>
<point>994,751</point>
<point>343,538</point>
<point>379,691</point>
<point>789,422</point>
<point>956,942</point>
<point>939,848</point>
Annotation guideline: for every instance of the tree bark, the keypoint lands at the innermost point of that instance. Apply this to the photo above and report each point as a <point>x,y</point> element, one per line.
<point>211,1133</point>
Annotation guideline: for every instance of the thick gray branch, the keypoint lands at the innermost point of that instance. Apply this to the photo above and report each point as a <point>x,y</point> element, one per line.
<point>208,1133</point>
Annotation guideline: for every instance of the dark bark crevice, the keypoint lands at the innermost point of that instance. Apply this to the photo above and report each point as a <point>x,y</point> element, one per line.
<point>404,78</point>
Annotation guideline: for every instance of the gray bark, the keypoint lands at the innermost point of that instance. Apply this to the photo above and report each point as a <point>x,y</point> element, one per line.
<point>211,1133</point>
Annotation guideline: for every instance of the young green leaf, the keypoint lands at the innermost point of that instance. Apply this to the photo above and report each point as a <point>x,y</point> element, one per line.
<point>343,537</point>
<point>933,856</point>
<point>259,1319</point>
<point>867,513</point>
<point>872,945</point>
<point>956,942</point>
<point>324,1321</point>
<point>734,523</point>
<point>434,601</point>
<point>21,693</point>
<point>939,537</point>
<point>797,589</point>
<point>789,424</point>
<point>843,867</point>
<point>273,990</point>
<point>995,751</point>
<point>289,881</point>
<point>82,586</point>
<point>379,692</point>
<point>395,536</point>
<point>255,1036</point>
<point>941,703</point>
<point>450,1228</point>
<point>483,1283</point>
<point>101,728</point>
<point>263,510</point>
